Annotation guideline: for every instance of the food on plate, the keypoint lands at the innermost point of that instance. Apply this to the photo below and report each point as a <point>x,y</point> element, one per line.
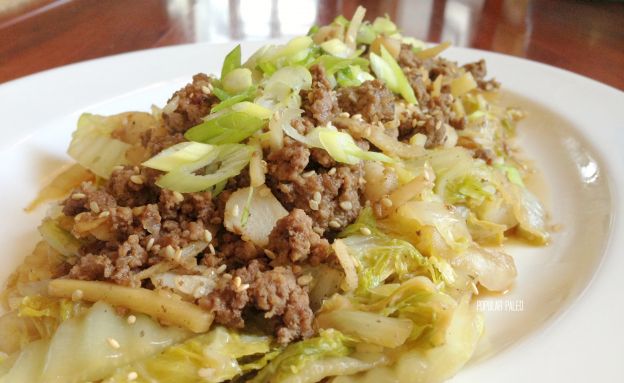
<point>326,209</point>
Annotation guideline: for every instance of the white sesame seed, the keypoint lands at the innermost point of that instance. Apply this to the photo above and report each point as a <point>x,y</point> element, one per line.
<point>221,269</point>
<point>207,235</point>
<point>178,197</point>
<point>334,224</point>
<point>308,174</point>
<point>365,231</point>
<point>206,90</point>
<point>77,196</point>
<point>77,295</point>
<point>269,254</point>
<point>94,207</point>
<point>131,319</point>
<point>137,179</point>
<point>242,287</point>
<point>206,372</point>
<point>211,249</point>
<point>387,202</point>
<point>132,375</point>
<point>237,281</point>
<point>314,205</point>
<point>332,171</point>
<point>118,167</point>
<point>113,343</point>
<point>344,114</point>
<point>318,230</point>
<point>169,252</point>
<point>346,205</point>
<point>177,255</point>
<point>227,276</point>
<point>150,243</point>
<point>104,214</point>
<point>357,116</point>
<point>304,280</point>
<point>317,196</point>
<point>235,211</point>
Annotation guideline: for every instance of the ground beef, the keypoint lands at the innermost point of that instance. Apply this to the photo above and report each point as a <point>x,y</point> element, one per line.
<point>319,103</point>
<point>331,197</point>
<point>479,71</point>
<point>371,99</point>
<point>133,186</point>
<point>158,139</point>
<point>92,267</point>
<point>272,291</point>
<point>194,102</point>
<point>234,250</point>
<point>294,240</point>
<point>85,198</point>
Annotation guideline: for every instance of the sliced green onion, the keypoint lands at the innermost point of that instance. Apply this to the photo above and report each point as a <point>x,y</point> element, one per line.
<point>237,80</point>
<point>336,48</point>
<point>384,25</point>
<point>228,127</point>
<point>353,75</point>
<point>253,109</point>
<point>231,62</point>
<point>247,95</point>
<point>351,34</point>
<point>333,64</point>
<point>463,84</point>
<point>178,155</point>
<point>229,161</point>
<point>387,69</point>
<point>342,148</point>
<point>366,34</point>
<point>220,93</point>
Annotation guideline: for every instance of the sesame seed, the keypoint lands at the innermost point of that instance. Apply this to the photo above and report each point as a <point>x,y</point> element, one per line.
<point>357,116</point>
<point>118,167</point>
<point>169,252</point>
<point>387,202</point>
<point>235,211</point>
<point>207,235</point>
<point>104,214</point>
<point>221,269</point>
<point>178,197</point>
<point>94,207</point>
<point>150,243</point>
<point>206,90</point>
<point>131,319</point>
<point>317,196</point>
<point>308,174</point>
<point>269,254</point>
<point>77,196</point>
<point>113,343</point>
<point>304,280</point>
<point>332,171</point>
<point>318,230</point>
<point>344,114</point>
<point>206,372</point>
<point>132,375</point>
<point>227,276</point>
<point>211,249</point>
<point>177,255</point>
<point>242,287</point>
<point>237,281</point>
<point>137,179</point>
<point>365,231</point>
<point>346,205</point>
<point>314,205</point>
<point>77,295</point>
<point>334,224</point>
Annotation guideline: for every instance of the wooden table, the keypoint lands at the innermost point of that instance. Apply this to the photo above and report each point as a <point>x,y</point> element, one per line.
<point>586,37</point>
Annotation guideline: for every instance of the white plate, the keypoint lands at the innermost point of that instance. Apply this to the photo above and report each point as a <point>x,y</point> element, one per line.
<point>562,321</point>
